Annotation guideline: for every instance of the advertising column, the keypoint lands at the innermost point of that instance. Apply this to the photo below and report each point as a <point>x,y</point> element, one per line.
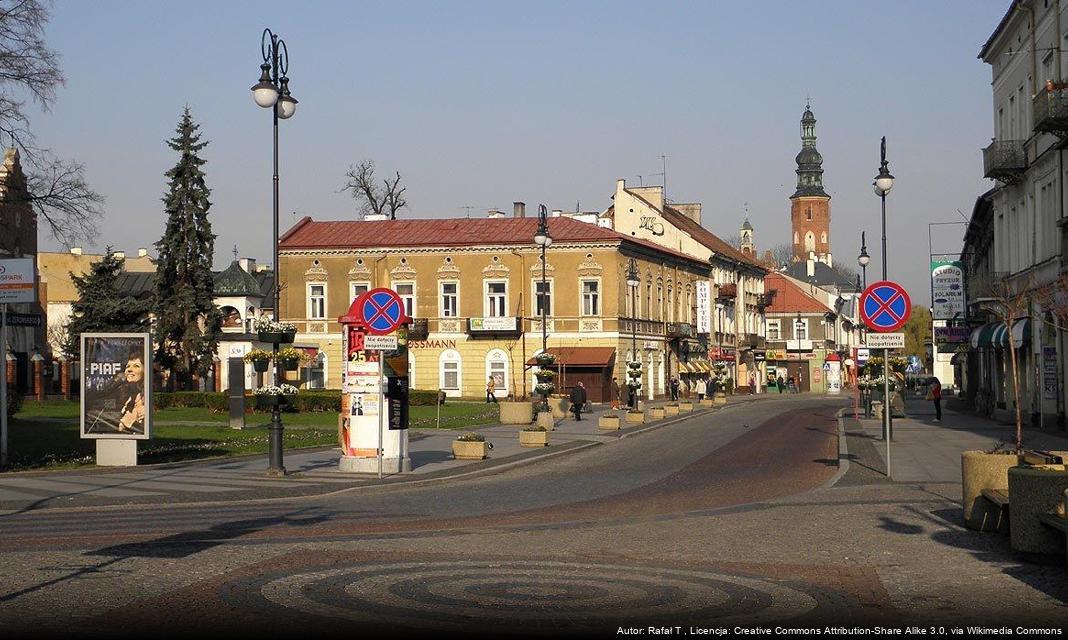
<point>116,406</point>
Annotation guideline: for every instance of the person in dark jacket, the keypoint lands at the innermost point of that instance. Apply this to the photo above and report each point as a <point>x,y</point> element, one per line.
<point>578,399</point>
<point>614,391</point>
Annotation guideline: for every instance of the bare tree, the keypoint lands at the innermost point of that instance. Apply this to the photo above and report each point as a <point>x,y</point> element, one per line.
<point>371,198</point>
<point>57,188</point>
<point>1009,301</point>
<point>782,254</point>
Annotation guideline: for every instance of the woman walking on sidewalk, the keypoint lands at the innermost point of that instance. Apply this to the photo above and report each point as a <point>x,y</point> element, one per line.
<point>934,394</point>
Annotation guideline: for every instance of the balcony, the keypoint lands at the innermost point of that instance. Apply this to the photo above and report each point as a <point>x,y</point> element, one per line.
<point>1004,160</point>
<point>752,341</point>
<point>419,329</point>
<point>679,330</point>
<point>728,291</point>
<point>1050,109</point>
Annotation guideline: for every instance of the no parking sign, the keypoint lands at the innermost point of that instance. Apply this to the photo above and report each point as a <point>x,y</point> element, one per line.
<point>885,306</point>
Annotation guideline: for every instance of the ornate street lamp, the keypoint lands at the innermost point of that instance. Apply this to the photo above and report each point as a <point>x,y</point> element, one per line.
<point>633,282</point>
<point>863,259</point>
<point>543,240</point>
<point>882,185</point>
<point>272,92</point>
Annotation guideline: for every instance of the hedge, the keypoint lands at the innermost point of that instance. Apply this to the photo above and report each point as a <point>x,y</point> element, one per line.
<point>306,401</point>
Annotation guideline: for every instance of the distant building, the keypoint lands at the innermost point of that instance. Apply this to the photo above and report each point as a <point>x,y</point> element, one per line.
<point>810,206</point>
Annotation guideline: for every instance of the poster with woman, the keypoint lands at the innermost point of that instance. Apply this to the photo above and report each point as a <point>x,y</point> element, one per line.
<point>116,386</point>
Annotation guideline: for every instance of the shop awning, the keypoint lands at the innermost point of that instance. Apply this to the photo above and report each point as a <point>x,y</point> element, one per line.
<point>580,356</point>
<point>995,335</point>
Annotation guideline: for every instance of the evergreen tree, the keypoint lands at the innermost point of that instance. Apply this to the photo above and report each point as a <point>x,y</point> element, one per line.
<point>187,320</point>
<point>101,308</point>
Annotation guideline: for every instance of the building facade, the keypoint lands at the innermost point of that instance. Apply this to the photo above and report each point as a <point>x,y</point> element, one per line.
<point>803,330</point>
<point>810,206</point>
<point>474,288</point>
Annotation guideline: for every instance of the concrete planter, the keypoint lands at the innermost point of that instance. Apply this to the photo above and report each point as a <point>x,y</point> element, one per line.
<point>516,412</point>
<point>468,450</point>
<point>546,419</point>
<point>1034,491</point>
<point>559,406</point>
<point>705,402</point>
<point>534,438</point>
<point>980,470</point>
<point>635,417</point>
<point>719,399</point>
<point>656,413</point>
<point>671,410</point>
<point>685,407</point>
<point>609,423</point>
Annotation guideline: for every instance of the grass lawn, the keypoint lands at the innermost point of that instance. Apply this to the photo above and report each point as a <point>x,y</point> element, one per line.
<point>45,434</point>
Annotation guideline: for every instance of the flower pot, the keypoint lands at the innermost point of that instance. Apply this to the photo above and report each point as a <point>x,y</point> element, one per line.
<point>608,423</point>
<point>671,410</point>
<point>516,412</point>
<point>705,402</point>
<point>559,405</point>
<point>468,450</point>
<point>277,337</point>
<point>979,471</point>
<point>265,401</point>
<point>656,413</point>
<point>261,365</point>
<point>635,417</point>
<point>685,407</point>
<point>534,438</point>
<point>290,364</point>
<point>1033,491</point>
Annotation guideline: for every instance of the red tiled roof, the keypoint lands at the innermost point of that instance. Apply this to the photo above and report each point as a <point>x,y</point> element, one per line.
<point>790,298</point>
<point>445,232</point>
<point>707,238</point>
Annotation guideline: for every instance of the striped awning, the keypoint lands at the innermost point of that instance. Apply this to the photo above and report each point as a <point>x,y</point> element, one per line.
<point>995,335</point>
<point>685,368</point>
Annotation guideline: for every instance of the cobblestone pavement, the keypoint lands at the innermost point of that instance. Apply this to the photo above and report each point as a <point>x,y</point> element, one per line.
<point>720,519</point>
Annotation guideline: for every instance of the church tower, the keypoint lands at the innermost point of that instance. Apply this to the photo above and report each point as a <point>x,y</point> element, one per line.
<point>746,234</point>
<point>810,206</point>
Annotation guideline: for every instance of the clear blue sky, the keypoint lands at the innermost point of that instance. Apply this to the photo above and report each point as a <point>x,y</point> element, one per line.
<point>484,103</point>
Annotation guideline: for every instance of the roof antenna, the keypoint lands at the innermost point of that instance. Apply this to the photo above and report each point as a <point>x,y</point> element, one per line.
<point>235,253</point>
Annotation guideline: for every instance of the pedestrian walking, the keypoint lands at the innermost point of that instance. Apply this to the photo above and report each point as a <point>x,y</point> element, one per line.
<point>752,383</point>
<point>491,387</point>
<point>700,389</point>
<point>791,383</point>
<point>674,388</point>
<point>578,399</point>
<point>934,394</point>
<point>780,383</point>
<point>614,390</point>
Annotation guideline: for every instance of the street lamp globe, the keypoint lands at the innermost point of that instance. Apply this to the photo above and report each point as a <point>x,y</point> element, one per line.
<point>883,182</point>
<point>542,238</point>
<point>264,92</point>
<point>287,104</point>
<point>863,259</point>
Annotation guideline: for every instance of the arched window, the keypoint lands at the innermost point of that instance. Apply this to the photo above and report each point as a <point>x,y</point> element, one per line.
<point>497,368</point>
<point>823,237</point>
<point>450,373</point>
<point>231,318</point>
<point>810,242</point>
<point>795,237</point>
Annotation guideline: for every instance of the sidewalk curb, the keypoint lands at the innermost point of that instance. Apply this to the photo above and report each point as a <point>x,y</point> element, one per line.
<point>843,452</point>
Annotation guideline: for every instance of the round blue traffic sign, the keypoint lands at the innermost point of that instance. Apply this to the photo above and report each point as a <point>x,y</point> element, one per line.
<point>885,306</point>
<point>382,311</point>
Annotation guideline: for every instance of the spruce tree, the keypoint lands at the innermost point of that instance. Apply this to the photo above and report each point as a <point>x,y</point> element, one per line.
<point>101,307</point>
<point>187,320</point>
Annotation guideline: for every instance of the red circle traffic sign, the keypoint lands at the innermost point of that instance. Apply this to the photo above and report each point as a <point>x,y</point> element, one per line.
<point>885,306</point>
<point>381,310</point>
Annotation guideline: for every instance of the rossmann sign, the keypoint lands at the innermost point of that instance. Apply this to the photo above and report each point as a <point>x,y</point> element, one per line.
<point>16,280</point>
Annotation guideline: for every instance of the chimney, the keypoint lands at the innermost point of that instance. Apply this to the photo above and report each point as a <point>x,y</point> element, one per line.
<point>77,251</point>
<point>557,213</point>
<point>248,264</point>
<point>519,210</point>
<point>810,265</point>
<point>494,213</point>
<point>142,252</point>
<point>375,217</point>
<point>119,254</point>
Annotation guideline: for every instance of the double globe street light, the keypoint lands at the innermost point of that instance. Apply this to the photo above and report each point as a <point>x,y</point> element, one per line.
<point>543,240</point>
<point>272,92</point>
<point>882,185</point>
<point>633,282</point>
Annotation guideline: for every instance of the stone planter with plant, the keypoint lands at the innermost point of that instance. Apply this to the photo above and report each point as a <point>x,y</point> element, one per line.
<point>1035,491</point>
<point>516,411</point>
<point>609,422</point>
<point>470,446</point>
<point>981,470</point>
<point>534,437</point>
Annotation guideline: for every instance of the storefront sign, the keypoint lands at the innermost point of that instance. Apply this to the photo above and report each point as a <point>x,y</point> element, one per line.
<point>952,335</point>
<point>506,323</point>
<point>947,290</point>
<point>24,320</point>
<point>16,280</point>
<point>432,344</point>
<point>704,307</point>
<point>1049,373</point>
<point>116,392</point>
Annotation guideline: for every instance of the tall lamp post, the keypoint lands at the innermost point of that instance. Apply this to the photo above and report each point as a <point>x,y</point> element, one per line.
<point>543,240</point>
<point>863,259</point>
<point>882,185</point>
<point>633,282</point>
<point>272,92</point>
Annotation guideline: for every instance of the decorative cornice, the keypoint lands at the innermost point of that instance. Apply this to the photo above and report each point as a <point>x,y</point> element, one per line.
<point>535,269</point>
<point>448,269</point>
<point>315,272</point>
<point>402,271</point>
<point>359,271</point>
<point>590,266</point>
<point>496,268</point>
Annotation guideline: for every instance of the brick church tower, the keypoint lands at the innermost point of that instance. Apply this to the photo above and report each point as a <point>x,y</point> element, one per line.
<point>810,206</point>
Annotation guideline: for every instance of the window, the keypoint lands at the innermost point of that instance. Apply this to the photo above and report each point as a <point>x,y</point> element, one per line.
<point>660,303</point>
<point>497,368</point>
<point>808,213</point>
<point>496,298</point>
<point>316,301</point>
<point>356,289</point>
<point>317,372</point>
<point>591,298</point>
<point>449,372</point>
<point>773,330</point>
<point>449,298</point>
<point>801,329</point>
<point>406,291</point>
<point>543,297</point>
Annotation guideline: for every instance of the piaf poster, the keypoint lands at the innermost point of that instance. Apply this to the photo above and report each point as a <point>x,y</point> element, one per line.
<point>116,385</point>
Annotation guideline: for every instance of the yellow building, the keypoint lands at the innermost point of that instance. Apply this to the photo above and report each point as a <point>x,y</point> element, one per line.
<point>475,287</point>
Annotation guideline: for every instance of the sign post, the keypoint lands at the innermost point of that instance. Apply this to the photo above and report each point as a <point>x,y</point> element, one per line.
<point>885,307</point>
<point>16,286</point>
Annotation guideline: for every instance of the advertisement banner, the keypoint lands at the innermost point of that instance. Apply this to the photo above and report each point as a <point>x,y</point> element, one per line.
<point>704,307</point>
<point>116,386</point>
<point>16,280</point>
<point>947,290</point>
<point>952,335</point>
<point>499,323</point>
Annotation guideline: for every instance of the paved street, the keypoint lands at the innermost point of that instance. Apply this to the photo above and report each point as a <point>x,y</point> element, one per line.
<point>737,516</point>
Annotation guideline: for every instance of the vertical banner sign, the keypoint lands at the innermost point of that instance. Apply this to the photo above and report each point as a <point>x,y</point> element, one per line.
<point>1049,373</point>
<point>704,307</point>
<point>116,386</point>
<point>947,290</point>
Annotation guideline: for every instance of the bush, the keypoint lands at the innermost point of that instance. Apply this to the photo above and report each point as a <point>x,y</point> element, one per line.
<point>14,402</point>
<point>471,436</point>
<point>191,399</point>
<point>422,397</point>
